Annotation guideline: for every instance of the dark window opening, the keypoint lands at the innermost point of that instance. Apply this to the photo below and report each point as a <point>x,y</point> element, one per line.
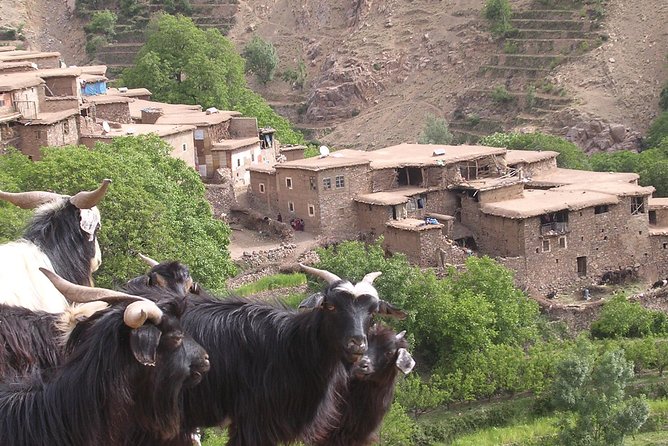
<point>394,212</point>
<point>652,217</point>
<point>312,183</point>
<point>637,205</point>
<point>469,170</point>
<point>554,223</point>
<point>409,176</point>
<point>601,209</point>
<point>582,266</point>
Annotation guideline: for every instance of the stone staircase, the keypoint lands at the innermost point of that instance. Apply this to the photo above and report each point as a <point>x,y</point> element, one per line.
<point>513,89</point>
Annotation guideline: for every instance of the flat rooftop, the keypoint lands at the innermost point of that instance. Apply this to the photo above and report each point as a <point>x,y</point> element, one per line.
<point>619,188</point>
<point>390,198</point>
<point>233,144</point>
<point>139,129</point>
<point>561,177</point>
<point>48,118</point>
<point>17,81</point>
<point>528,156</point>
<point>402,155</point>
<point>412,224</point>
<point>658,203</point>
<point>535,202</point>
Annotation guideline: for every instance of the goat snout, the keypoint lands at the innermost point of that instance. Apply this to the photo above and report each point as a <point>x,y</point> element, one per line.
<point>362,368</point>
<point>357,346</point>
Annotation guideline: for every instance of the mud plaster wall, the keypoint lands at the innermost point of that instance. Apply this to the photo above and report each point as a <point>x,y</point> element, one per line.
<point>33,137</point>
<point>382,180</point>
<point>501,194</point>
<point>434,177</point>
<point>499,236</point>
<point>59,104</point>
<point>610,241</point>
<point>372,218</point>
<point>61,86</point>
<point>300,195</point>
<point>533,169</point>
<point>661,217</point>
<point>266,201</point>
<point>243,127</point>
<point>657,268</point>
<point>421,247</point>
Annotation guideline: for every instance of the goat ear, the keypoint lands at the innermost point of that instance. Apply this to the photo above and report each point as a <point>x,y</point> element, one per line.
<point>144,343</point>
<point>388,309</point>
<point>405,361</point>
<point>311,302</point>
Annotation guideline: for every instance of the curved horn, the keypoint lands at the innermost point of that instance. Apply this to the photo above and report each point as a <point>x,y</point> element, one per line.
<point>400,335</point>
<point>369,278</point>
<point>149,261</point>
<point>328,277</point>
<point>80,293</point>
<point>138,312</point>
<point>29,200</point>
<point>88,199</point>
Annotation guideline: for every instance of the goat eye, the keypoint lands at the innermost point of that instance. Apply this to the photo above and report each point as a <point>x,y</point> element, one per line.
<point>330,307</point>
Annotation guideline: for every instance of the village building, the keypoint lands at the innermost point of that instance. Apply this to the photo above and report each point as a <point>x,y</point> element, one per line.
<point>559,229</point>
<point>41,59</point>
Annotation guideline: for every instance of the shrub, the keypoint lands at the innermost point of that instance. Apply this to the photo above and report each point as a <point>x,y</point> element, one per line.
<point>663,98</point>
<point>261,59</point>
<point>620,318</point>
<point>658,130</point>
<point>531,97</point>
<point>435,131</point>
<point>510,48</point>
<point>102,23</point>
<point>498,13</point>
<point>94,43</point>
<point>501,96</point>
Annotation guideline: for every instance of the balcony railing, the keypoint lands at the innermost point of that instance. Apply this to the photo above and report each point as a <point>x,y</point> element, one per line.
<point>556,227</point>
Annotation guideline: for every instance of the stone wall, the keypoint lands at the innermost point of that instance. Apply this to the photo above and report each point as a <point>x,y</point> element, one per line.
<point>498,236</point>
<point>421,245</point>
<point>61,86</point>
<point>382,180</point>
<point>372,218</point>
<point>501,194</point>
<point>337,207</point>
<point>253,259</point>
<point>114,111</point>
<point>59,104</point>
<point>243,127</point>
<point>33,137</point>
<point>266,201</point>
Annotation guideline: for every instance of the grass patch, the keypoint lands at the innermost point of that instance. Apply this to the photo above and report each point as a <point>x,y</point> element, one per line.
<point>517,434</point>
<point>272,283</point>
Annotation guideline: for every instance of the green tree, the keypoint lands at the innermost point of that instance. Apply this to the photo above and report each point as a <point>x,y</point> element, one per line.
<point>435,131</point>
<point>621,318</point>
<point>155,205</point>
<point>591,395</point>
<point>261,58</point>
<point>102,23</point>
<point>570,155</point>
<point>181,63</point>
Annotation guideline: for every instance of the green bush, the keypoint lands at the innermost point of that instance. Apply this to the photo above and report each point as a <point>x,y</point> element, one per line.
<point>435,131</point>
<point>663,98</point>
<point>261,58</point>
<point>510,48</point>
<point>658,130</point>
<point>499,13</point>
<point>94,43</point>
<point>621,318</point>
<point>501,96</point>
<point>295,77</point>
<point>102,23</point>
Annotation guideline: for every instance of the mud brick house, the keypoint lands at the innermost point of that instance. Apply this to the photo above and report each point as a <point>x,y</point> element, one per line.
<point>39,58</point>
<point>557,228</point>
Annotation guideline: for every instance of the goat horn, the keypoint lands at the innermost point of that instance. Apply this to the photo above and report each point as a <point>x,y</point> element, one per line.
<point>400,335</point>
<point>29,200</point>
<point>138,312</point>
<point>88,199</point>
<point>328,277</point>
<point>80,293</point>
<point>149,261</point>
<point>369,278</point>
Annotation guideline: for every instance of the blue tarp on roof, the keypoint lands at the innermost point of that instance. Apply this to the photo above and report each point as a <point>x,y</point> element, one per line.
<point>94,88</point>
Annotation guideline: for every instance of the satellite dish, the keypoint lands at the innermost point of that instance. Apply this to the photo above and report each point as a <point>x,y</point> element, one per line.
<point>105,127</point>
<point>324,151</point>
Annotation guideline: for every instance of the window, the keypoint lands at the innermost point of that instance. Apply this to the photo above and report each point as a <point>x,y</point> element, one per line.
<point>420,203</point>
<point>261,187</point>
<point>291,206</point>
<point>238,162</point>
<point>601,209</point>
<point>199,135</point>
<point>340,182</point>
<point>288,182</point>
<point>252,157</point>
<point>562,242</point>
<point>582,266</point>
<point>184,146</point>
<point>2,102</point>
<point>546,246</point>
<point>326,183</point>
<point>311,210</point>
<point>312,183</point>
<point>637,205</point>
<point>411,206</point>
<point>66,127</point>
<point>652,217</point>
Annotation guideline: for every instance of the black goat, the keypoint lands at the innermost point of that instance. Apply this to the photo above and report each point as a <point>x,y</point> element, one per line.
<point>62,237</point>
<point>172,275</point>
<point>370,390</point>
<point>276,373</point>
<point>124,371</point>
